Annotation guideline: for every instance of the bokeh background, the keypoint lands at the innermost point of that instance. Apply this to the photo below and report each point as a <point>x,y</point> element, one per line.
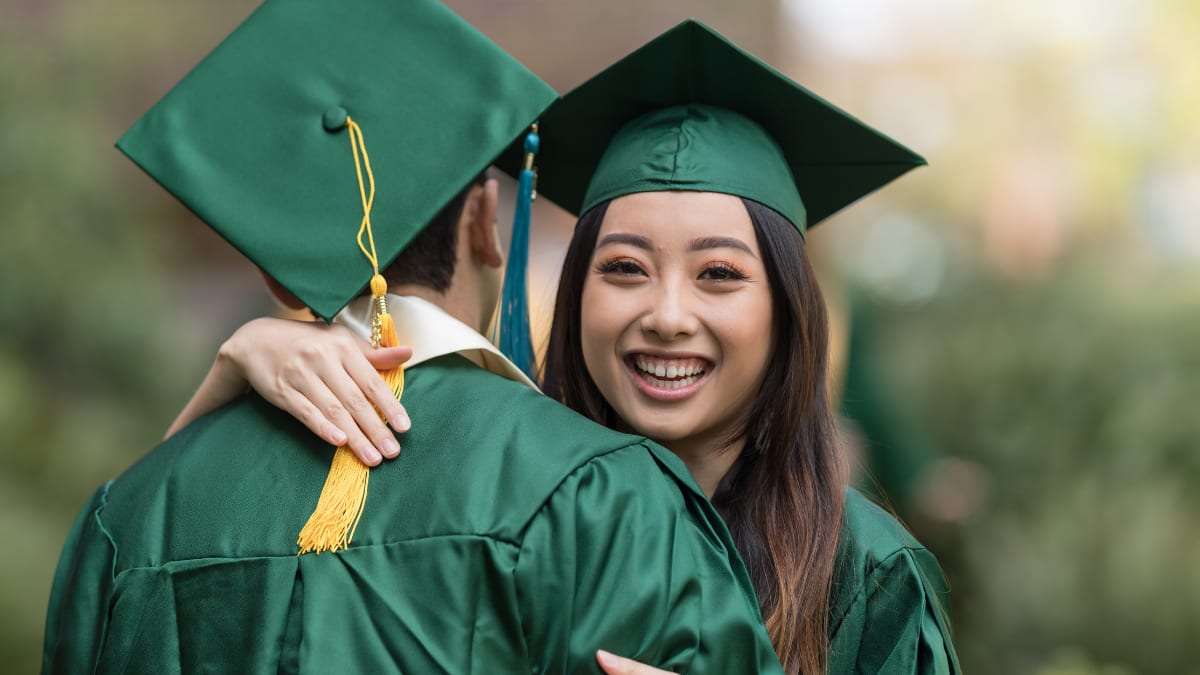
<point>1018,324</point>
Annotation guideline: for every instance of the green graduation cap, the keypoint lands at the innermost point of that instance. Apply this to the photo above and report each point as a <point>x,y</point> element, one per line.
<point>255,140</point>
<point>267,140</point>
<point>692,111</point>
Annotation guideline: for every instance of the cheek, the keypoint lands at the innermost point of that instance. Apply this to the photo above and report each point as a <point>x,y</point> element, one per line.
<point>591,312</point>
<point>749,340</point>
<point>596,325</point>
<point>605,310</point>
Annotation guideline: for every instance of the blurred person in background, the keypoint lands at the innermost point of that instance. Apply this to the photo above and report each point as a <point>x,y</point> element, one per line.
<point>688,312</point>
<point>188,561</point>
<point>899,465</point>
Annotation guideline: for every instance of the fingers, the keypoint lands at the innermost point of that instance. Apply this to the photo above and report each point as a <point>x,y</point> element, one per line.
<point>366,377</point>
<point>326,377</point>
<point>322,374</point>
<point>297,405</point>
<point>352,398</point>
<point>386,357</point>
<point>323,413</point>
<point>617,665</point>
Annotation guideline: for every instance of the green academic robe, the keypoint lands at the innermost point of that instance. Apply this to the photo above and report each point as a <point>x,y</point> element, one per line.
<point>887,601</point>
<point>510,536</point>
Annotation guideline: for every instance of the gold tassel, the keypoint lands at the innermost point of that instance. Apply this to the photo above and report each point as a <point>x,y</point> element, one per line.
<point>332,524</point>
<point>339,508</point>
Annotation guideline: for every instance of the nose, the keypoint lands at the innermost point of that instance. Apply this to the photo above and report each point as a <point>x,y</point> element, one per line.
<point>670,315</point>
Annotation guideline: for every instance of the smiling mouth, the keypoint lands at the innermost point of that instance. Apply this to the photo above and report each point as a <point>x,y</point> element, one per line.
<point>668,374</point>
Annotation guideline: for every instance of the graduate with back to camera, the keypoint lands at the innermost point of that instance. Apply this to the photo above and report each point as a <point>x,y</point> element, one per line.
<point>688,311</point>
<point>338,146</point>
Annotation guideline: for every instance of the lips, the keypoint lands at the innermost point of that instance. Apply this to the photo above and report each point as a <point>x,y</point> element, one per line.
<point>668,374</point>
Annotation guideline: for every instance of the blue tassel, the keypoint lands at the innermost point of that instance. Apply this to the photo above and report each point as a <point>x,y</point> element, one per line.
<point>516,341</point>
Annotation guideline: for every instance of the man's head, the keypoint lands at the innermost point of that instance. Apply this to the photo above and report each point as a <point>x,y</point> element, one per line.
<point>430,259</point>
<point>301,125</point>
<point>455,262</point>
<point>457,258</point>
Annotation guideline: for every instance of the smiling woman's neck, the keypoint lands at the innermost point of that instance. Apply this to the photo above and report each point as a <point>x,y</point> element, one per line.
<point>708,460</point>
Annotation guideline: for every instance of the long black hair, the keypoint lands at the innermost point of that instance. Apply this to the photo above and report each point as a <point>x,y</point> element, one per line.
<point>783,499</point>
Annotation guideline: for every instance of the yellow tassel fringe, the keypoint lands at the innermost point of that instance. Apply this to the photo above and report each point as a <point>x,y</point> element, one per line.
<point>332,525</point>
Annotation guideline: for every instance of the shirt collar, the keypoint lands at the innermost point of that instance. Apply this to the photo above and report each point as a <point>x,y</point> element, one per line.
<point>431,333</point>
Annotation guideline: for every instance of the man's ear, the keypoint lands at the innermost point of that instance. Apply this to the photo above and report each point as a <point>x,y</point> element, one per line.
<point>282,295</point>
<point>480,214</point>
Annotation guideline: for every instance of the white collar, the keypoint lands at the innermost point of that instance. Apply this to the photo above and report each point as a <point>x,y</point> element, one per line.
<point>431,333</point>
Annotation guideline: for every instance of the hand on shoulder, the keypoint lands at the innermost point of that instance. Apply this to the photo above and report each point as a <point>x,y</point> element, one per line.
<point>323,375</point>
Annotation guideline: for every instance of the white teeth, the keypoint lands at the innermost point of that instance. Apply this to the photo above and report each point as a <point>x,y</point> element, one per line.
<point>671,384</point>
<point>662,373</point>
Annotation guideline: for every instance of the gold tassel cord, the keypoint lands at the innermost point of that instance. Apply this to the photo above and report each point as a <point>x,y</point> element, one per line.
<point>332,524</point>
<point>339,509</point>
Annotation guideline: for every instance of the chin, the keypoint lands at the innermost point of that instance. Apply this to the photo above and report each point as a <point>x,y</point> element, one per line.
<point>660,431</point>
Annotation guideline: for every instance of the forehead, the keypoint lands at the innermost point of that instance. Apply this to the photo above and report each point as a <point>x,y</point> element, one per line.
<point>675,218</point>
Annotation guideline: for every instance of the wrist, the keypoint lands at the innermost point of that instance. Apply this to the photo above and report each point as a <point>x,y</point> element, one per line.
<point>229,365</point>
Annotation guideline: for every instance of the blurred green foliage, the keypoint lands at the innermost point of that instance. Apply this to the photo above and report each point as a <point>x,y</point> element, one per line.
<point>98,350</point>
<point>1077,397</point>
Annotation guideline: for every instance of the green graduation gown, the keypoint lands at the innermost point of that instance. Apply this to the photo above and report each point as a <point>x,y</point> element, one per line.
<point>510,536</point>
<point>887,612</point>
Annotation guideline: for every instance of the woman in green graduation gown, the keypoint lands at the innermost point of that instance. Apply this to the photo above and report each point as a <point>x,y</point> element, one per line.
<point>688,312</point>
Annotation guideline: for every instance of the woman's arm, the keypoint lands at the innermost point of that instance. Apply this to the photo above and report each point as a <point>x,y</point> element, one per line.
<point>325,376</point>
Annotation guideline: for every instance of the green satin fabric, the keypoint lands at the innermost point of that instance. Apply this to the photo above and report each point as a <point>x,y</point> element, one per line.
<point>833,158</point>
<point>510,536</point>
<point>699,148</point>
<point>245,140</point>
<point>887,609</point>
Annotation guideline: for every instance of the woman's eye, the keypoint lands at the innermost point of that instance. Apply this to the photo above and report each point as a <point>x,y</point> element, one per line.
<point>722,272</point>
<point>621,266</point>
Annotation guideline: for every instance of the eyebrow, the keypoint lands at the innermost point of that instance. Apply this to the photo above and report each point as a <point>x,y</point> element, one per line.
<point>630,239</point>
<point>704,243</point>
<point>701,244</point>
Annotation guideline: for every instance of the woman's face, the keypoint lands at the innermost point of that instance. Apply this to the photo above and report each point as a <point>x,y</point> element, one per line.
<point>676,315</point>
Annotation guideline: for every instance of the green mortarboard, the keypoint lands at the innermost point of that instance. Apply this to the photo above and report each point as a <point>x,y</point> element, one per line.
<point>267,141</point>
<point>254,140</point>
<point>692,111</point>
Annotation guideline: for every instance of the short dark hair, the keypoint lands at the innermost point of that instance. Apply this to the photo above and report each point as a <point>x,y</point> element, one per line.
<point>429,259</point>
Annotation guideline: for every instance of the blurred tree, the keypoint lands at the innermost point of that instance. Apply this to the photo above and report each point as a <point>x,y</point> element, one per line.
<point>100,337</point>
<point>1078,398</point>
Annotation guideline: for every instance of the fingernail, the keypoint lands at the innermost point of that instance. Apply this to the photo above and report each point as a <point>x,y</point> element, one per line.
<point>337,436</point>
<point>391,448</point>
<point>400,422</point>
<point>373,456</point>
<point>607,660</point>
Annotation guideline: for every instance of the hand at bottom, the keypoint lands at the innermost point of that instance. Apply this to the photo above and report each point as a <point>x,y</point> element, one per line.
<point>618,665</point>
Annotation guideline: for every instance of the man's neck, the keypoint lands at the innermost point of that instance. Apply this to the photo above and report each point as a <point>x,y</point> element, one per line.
<point>449,302</point>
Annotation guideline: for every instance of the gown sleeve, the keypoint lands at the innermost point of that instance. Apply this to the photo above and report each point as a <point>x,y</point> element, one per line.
<point>78,613</point>
<point>896,623</point>
<point>636,568</point>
